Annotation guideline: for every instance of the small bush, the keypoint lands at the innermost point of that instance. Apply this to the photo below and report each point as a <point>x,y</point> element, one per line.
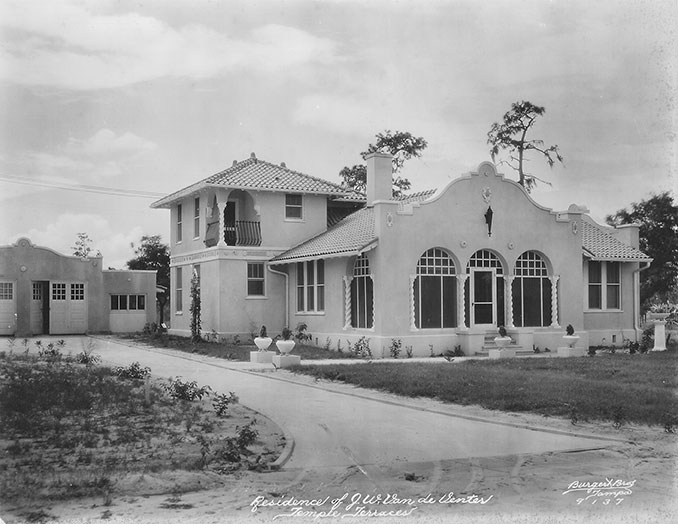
<point>647,339</point>
<point>246,436</point>
<point>133,371</point>
<point>51,353</point>
<point>87,358</point>
<point>408,351</point>
<point>396,347</point>
<point>361,348</point>
<point>300,333</point>
<point>183,390</point>
<point>223,401</point>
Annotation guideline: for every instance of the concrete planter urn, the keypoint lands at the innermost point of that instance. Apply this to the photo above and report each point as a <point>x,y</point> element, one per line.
<point>285,346</point>
<point>262,342</point>
<point>502,342</point>
<point>570,340</point>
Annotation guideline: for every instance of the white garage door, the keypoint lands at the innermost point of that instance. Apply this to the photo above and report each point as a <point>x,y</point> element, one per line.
<point>68,308</point>
<point>7,308</point>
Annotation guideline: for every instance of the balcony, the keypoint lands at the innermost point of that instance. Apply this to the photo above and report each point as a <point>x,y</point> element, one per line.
<point>238,233</point>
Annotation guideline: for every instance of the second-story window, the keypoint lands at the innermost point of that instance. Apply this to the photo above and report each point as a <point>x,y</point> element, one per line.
<point>293,207</point>
<point>179,225</point>
<point>196,218</point>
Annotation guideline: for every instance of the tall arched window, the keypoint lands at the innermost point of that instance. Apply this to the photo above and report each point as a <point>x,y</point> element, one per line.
<point>531,292</point>
<point>435,291</point>
<point>362,294</point>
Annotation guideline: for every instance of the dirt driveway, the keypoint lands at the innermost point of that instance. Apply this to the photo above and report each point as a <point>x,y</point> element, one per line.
<point>360,454</point>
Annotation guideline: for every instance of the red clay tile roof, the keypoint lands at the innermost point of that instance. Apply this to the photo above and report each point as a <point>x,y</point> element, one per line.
<point>598,244</point>
<point>258,175</point>
<point>352,235</point>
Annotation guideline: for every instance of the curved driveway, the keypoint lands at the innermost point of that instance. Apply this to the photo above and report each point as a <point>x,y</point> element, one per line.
<point>331,428</point>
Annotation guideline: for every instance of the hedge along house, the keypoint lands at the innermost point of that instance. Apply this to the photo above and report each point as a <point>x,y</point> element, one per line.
<point>435,270</point>
<point>43,292</point>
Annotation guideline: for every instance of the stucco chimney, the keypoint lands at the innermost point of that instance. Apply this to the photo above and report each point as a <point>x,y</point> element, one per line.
<point>379,177</point>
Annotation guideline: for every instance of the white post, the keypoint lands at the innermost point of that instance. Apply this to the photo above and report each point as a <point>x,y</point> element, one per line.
<point>659,335</point>
<point>347,302</point>
<point>462,300</point>
<point>222,225</point>
<point>413,324</point>
<point>554,301</point>
<point>508,300</point>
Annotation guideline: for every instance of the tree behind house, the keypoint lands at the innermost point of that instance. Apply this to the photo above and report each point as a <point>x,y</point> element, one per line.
<point>401,144</point>
<point>82,247</point>
<point>510,136</point>
<point>153,255</point>
<point>658,232</point>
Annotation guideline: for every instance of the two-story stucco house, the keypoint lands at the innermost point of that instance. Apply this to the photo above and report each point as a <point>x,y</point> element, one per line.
<point>436,270</point>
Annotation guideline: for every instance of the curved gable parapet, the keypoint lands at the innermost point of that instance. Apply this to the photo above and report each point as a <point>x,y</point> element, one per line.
<point>25,243</point>
<point>488,170</point>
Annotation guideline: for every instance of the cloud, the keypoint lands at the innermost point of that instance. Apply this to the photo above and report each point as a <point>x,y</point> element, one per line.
<point>61,234</point>
<point>68,45</point>
<point>104,155</point>
<point>106,142</point>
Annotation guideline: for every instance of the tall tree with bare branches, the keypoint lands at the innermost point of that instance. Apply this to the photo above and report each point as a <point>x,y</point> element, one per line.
<point>510,135</point>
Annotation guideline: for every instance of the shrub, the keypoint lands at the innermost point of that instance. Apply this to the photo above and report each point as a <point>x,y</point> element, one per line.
<point>647,339</point>
<point>409,351</point>
<point>395,347</point>
<point>133,371</point>
<point>87,358</point>
<point>183,390</point>
<point>246,436</point>
<point>222,402</point>
<point>300,333</point>
<point>361,348</point>
<point>51,353</point>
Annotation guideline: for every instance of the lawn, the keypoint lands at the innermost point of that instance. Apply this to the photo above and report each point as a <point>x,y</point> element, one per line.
<point>617,387</point>
<point>72,428</point>
<point>232,350</point>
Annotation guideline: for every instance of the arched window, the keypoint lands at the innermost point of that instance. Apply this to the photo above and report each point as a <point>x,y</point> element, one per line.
<point>362,294</point>
<point>435,291</point>
<point>531,292</point>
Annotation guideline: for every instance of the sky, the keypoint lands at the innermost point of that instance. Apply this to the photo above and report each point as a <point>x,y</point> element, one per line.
<point>107,105</point>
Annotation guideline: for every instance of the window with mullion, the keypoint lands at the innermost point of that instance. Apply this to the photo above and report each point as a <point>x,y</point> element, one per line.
<point>196,218</point>
<point>311,286</point>
<point>362,294</point>
<point>435,291</point>
<point>604,285</point>
<point>179,223</point>
<point>294,207</point>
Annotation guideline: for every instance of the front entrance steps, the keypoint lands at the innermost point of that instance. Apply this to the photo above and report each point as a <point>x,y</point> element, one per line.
<point>490,345</point>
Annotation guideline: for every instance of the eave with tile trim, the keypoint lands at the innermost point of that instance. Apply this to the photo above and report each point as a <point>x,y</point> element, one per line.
<point>257,175</point>
<point>599,245</point>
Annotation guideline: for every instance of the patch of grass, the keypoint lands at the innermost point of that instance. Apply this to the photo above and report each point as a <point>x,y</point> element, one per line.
<point>619,388</point>
<point>230,351</point>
